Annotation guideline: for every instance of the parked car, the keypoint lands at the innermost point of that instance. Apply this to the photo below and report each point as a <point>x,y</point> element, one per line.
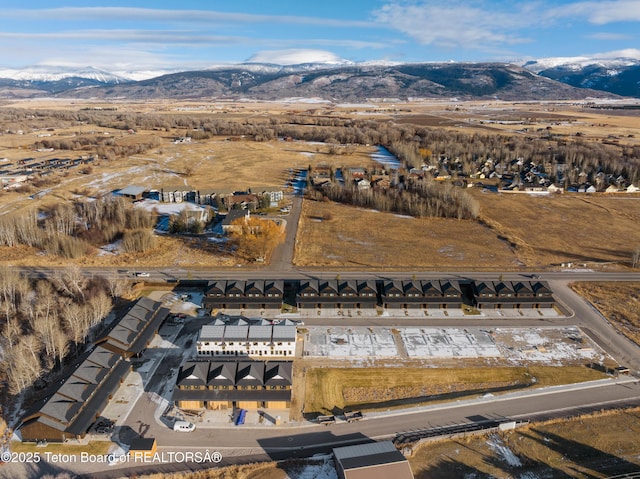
<point>183,426</point>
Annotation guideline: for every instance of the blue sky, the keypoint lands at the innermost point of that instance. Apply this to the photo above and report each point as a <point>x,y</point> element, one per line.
<point>185,34</point>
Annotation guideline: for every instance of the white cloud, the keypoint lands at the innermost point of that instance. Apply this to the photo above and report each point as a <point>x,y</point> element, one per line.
<point>456,24</point>
<point>141,36</point>
<point>294,57</point>
<point>609,36</point>
<point>484,25</point>
<point>625,53</point>
<point>150,14</point>
<point>600,13</point>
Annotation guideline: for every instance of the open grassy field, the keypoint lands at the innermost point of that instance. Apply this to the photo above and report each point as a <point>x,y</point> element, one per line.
<point>335,389</point>
<point>515,230</point>
<point>563,119</point>
<point>597,446</point>
<point>356,237</point>
<point>181,252</point>
<point>619,302</point>
<point>553,229</point>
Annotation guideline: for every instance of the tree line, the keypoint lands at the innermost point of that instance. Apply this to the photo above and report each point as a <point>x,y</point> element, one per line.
<point>71,230</point>
<point>420,199</point>
<point>44,322</point>
<point>406,140</point>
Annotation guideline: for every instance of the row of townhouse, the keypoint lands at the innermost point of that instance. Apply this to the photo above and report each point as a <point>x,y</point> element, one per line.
<point>249,340</point>
<point>512,294</point>
<point>363,294</point>
<point>70,410</point>
<point>248,199</point>
<point>233,384</point>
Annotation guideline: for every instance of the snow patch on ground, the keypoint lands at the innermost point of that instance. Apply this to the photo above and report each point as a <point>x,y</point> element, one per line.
<point>168,208</point>
<point>109,249</point>
<point>496,444</point>
<point>323,469</point>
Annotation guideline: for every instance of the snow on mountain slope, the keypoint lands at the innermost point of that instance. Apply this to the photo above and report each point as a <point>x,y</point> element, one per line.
<point>52,74</point>
<point>580,63</point>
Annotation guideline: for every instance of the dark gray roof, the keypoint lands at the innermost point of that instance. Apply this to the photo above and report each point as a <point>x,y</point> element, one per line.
<point>61,408</point>
<point>222,374</point>
<point>77,389</point>
<point>193,373</point>
<point>278,373</point>
<point>136,328</point>
<point>370,454</point>
<point>250,374</point>
<point>83,395</point>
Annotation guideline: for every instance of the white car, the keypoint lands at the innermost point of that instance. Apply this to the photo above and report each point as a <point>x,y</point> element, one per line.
<point>183,426</point>
<point>142,275</point>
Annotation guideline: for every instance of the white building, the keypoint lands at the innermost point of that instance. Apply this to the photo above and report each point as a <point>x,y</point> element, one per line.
<point>255,340</point>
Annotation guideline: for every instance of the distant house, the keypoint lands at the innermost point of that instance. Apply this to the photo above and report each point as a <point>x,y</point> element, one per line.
<point>12,180</point>
<point>275,195</point>
<point>245,201</point>
<point>382,183</point>
<point>357,172</point>
<point>228,225</point>
<point>132,192</point>
<point>377,460</point>
<point>632,189</point>
<point>363,184</point>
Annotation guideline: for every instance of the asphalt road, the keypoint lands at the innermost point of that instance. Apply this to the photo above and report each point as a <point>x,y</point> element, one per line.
<point>247,272</point>
<point>287,442</point>
<point>282,257</point>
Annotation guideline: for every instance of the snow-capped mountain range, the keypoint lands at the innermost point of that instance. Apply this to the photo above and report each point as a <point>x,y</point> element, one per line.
<point>579,63</point>
<point>46,73</point>
<point>613,74</point>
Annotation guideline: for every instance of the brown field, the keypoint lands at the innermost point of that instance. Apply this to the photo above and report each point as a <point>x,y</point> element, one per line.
<point>335,389</point>
<point>563,119</point>
<point>597,446</point>
<point>618,302</point>
<point>181,252</point>
<point>355,237</point>
<point>519,230</point>
<point>554,229</point>
<point>208,165</point>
